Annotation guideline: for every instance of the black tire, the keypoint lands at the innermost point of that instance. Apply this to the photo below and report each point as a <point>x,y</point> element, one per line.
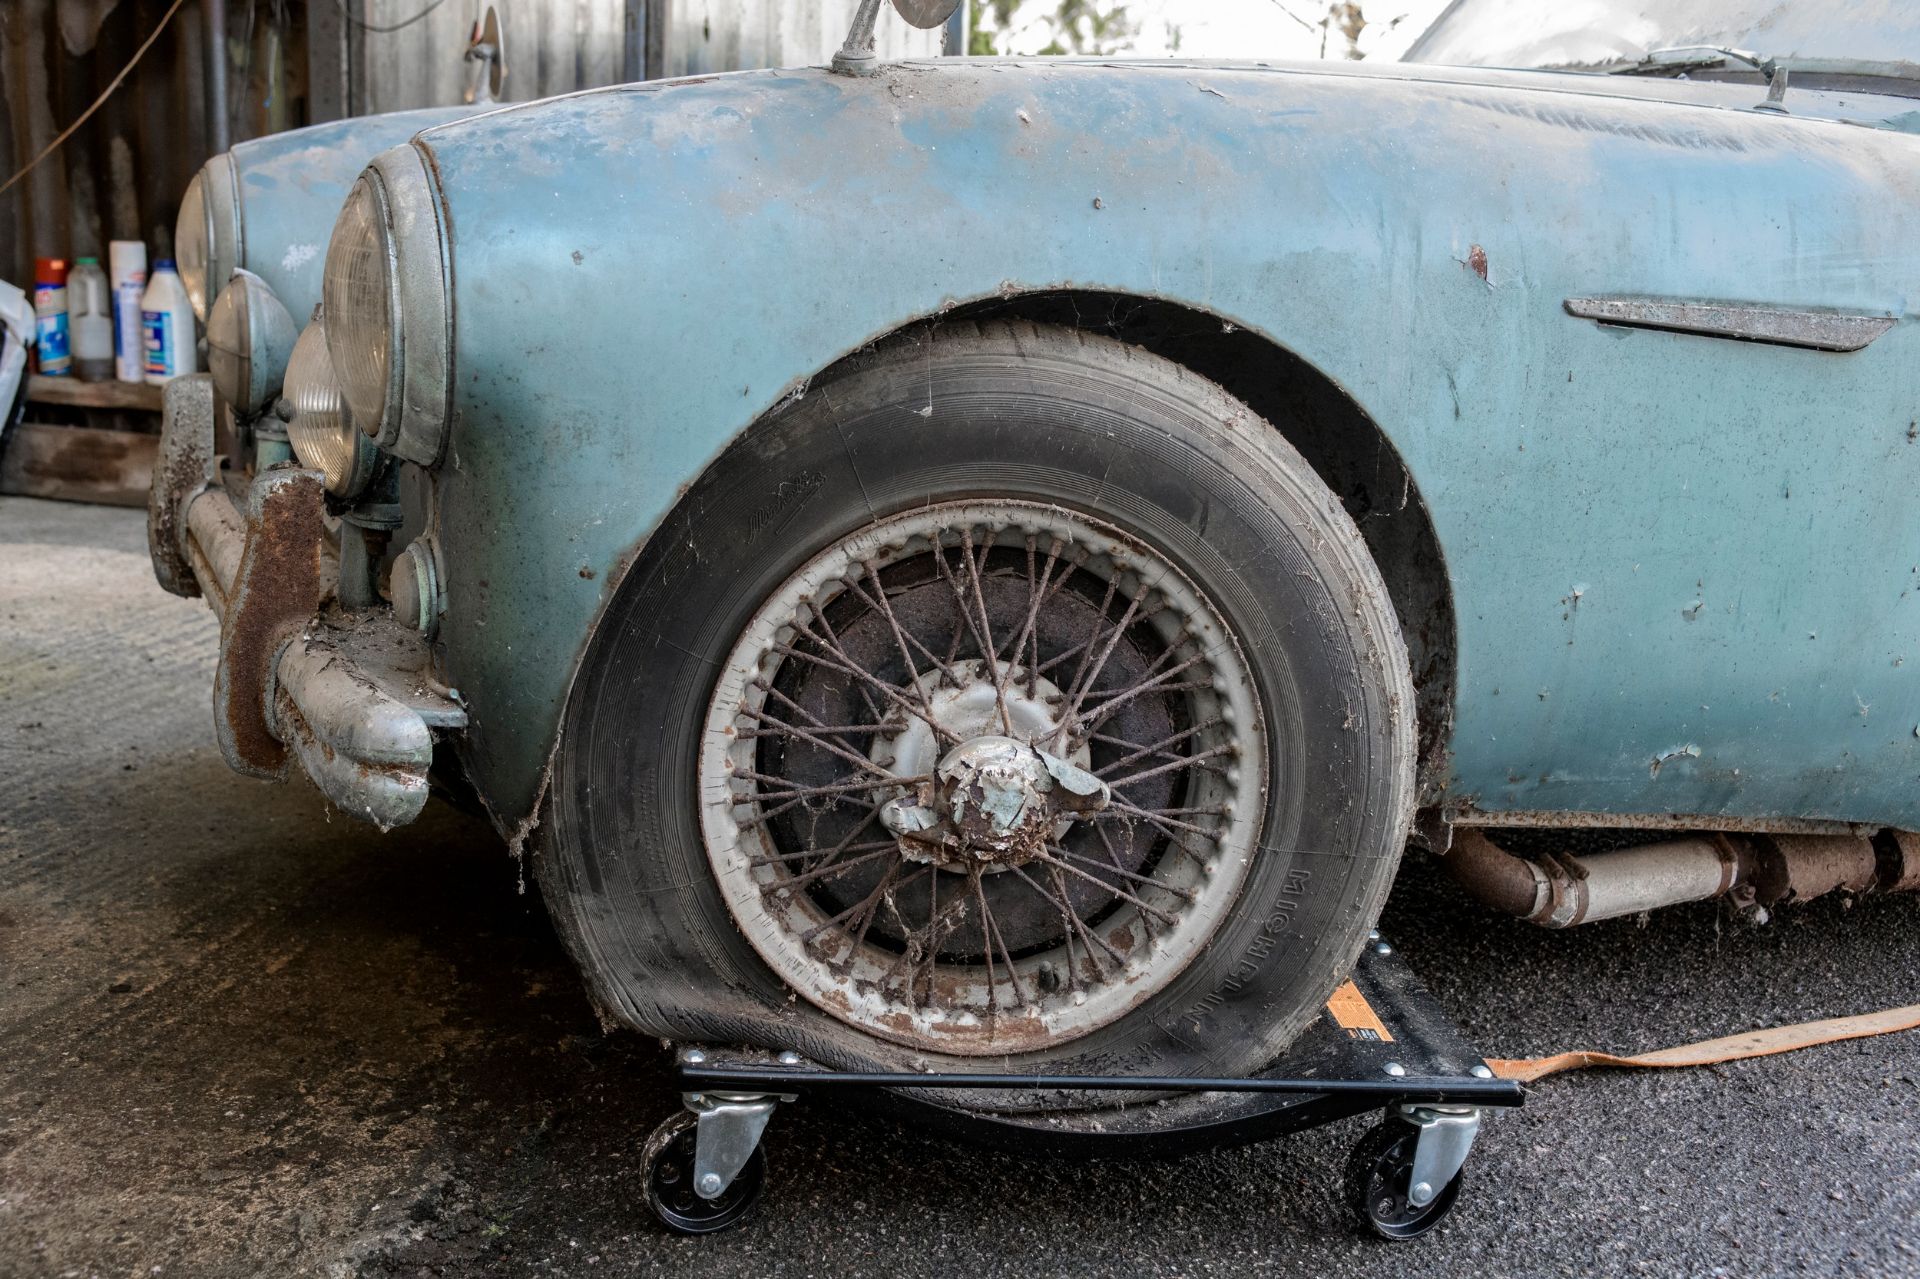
<point>1007,411</point>
<point>1378,1177</point>
<point>667,1165</point>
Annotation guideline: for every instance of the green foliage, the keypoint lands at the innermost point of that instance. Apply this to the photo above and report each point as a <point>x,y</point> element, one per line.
<point>1095,28</point>
<point>981,42</point>
<point>1089,28</point>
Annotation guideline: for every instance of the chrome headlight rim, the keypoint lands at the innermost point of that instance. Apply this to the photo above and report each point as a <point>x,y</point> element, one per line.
<point>411,422</point>
<point>217,234</point>
<point>312,392</point>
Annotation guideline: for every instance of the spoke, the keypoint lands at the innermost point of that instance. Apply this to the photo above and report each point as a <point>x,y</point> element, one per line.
<point>922,950</point>
<point>988,649</point>
<point>899,637</point>
<point>763,818</point>
<point>1135,876</point>
<point>871,899</point>
<point>1121,808</point>
<point>945,665</point>
<point>1067,655</point>
<point>986,938</point>
<point>886,690</point>
<point>781,859</point>
<point>991,930</point>
<point>959,597</point>
<point>1117,891</point>
<point>1106,842</point>
<point>873,712</point>
<point>834,868</point>
<point>767,686</point>
<point>1176,842</point>
<point>1106,602</point>
<point>747,734</point>
<point>1108,695</point>
<point>1162,681</point>
<point>1157,770</point>
<point>895,887</point>
<point>1158,748</point>
<point>1075,925</point>
<point>829,788</point>
<point>1099,664</point>
<point>832,748</point>
<point>1036,584</point>
<point>846,845</point>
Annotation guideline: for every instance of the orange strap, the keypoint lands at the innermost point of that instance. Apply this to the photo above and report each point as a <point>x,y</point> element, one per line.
<point>1757,1043</point>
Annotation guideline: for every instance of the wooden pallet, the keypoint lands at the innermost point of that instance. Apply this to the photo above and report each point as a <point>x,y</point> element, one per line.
<point>78,464</point>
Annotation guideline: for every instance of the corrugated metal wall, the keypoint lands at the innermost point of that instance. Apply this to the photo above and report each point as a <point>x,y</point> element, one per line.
<point>120,176</point>
<point>557,46</point>
<point>729,35</point>
<point>553,46</point>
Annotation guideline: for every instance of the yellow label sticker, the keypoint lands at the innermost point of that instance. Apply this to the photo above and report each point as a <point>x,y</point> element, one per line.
<point>1353,1014</point>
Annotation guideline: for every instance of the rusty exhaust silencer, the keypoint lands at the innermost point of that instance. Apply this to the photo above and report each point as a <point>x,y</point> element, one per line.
<point>1562,889</point>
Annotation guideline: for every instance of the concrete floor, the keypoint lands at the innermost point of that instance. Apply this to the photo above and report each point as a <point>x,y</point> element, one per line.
<point>240,1036</point>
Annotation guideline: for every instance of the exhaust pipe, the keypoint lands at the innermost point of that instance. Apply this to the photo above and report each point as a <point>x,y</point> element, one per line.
<point>1563,889</point>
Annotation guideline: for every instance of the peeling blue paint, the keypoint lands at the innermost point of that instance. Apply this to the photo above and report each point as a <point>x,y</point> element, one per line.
<point>742,233</point>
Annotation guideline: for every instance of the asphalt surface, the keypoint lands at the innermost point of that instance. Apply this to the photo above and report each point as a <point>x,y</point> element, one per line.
<point>242,1036</point>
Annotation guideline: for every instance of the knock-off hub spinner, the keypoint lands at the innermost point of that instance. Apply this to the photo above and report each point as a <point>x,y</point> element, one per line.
<point>995,799</point>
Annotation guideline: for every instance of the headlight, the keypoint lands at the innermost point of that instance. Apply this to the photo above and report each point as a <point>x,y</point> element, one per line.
<point>207,243</point>
<point>357,295</point>
<point>321,431</point>
<point>385,298</point>
<point>249,338</point>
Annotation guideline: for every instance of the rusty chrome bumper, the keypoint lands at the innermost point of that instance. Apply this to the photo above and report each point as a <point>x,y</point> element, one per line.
<point>351,696</point>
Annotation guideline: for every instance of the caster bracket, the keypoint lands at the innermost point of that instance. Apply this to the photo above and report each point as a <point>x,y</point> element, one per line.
<point>727,1130</point>
<point>1446,1137</point>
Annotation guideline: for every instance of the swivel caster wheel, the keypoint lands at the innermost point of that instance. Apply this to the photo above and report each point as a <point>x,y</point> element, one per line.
<point>667,1164</point>
<point>1380,1188</point>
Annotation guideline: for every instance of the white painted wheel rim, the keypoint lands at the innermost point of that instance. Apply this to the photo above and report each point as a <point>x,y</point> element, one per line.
<point>1163,911</point>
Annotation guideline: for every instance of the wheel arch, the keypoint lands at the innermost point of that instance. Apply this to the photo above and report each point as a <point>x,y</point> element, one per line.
<point>1344,444</point>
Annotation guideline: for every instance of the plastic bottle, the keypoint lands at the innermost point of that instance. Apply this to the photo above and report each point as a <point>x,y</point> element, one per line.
<point>166,316</point>
<point>50,316</point>
<point>90,319</point>
<point>127,268</point>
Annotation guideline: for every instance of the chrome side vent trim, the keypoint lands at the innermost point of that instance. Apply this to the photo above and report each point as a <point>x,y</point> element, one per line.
<point>1779,326</point>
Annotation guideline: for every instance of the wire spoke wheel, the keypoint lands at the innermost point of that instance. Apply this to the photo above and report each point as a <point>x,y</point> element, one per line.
<point>1012,693</point>
<point>983,776</point>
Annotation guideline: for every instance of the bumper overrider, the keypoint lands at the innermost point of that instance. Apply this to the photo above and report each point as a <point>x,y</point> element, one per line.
<point>350,695</point>
<point>314,665</point>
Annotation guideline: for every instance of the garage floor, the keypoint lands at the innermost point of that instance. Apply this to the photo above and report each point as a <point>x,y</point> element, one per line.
<point>239,1036</point>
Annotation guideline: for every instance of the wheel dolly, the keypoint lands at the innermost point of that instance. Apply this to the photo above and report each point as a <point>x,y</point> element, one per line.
<point>1381,1043</point>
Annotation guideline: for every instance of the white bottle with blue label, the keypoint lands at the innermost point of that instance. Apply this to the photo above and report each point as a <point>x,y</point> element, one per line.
<point>127,273</point>
<point>166,322</point>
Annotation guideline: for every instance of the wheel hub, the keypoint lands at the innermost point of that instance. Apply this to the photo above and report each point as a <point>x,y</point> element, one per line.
<point>996,797</point>
<point>994,802</point>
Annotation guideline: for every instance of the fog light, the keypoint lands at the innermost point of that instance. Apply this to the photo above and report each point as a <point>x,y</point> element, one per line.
<point>320,429</point>
<point>249,339</point>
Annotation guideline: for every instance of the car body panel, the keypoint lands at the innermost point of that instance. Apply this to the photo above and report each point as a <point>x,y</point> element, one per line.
<point>290,185</point>
<point>1686,570</point>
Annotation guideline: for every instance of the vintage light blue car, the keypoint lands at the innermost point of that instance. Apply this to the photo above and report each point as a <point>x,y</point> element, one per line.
<point>993,559</point>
